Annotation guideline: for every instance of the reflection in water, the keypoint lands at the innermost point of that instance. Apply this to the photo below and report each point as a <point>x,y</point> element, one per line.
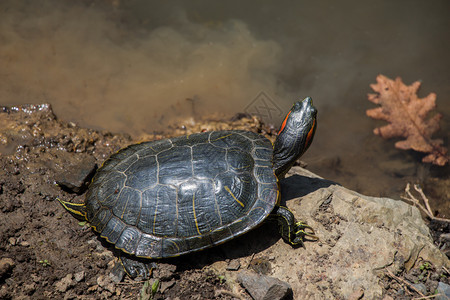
<point>102,73</point>
<point>130,66</point>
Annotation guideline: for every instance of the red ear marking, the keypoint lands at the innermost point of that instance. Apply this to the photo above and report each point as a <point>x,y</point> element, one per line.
<point>310,133</point>
<point>284,122</point>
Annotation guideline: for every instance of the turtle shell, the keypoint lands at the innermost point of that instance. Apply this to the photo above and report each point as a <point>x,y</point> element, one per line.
<point>169,197</point>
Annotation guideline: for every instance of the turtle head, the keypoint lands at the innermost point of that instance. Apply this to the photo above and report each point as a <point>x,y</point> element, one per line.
<point>295,135</point>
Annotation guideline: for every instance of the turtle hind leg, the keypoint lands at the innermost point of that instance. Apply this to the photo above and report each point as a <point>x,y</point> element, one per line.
<point>291,231</point>
<point>76,209</point>
<point>135,267</point>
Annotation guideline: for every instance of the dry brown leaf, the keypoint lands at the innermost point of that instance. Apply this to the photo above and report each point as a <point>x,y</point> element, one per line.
<point>407,115</point>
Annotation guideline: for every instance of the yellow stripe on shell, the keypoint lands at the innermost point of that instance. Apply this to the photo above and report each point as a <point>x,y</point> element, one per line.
<point>195,215</point>
<point>234,197</point>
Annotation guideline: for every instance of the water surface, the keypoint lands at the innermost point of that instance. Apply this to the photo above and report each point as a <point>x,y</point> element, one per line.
<point>129,66</point>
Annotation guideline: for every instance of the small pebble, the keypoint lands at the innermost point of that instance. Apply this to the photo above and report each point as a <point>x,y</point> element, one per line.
<point>36,278</point>
<point>106,283</point>
<point>233,265</point>
<point>63,285</point>
<point>24,244</point>
<point>264,287</point>
<point>117,274</point>
<point>165,285</point>
<point>443,290</point>
<point>420,287</point>
<point>6,265</point>
<point>79,276</point>
<point>164,271</point>
<point>29,289</point>
<point>92,288</point>
<point>357,294</point>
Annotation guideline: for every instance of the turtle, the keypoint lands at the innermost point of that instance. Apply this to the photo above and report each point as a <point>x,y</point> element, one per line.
<point>174,196</point>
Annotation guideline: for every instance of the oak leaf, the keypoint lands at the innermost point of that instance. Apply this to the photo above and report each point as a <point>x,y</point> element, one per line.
<point>407,115</point>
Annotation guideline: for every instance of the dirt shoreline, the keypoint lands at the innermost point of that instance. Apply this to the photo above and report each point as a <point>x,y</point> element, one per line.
<point>46,253</point>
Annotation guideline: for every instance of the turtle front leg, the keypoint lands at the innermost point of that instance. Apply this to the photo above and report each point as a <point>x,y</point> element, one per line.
<point>291,231</point>
<point>134,267</point>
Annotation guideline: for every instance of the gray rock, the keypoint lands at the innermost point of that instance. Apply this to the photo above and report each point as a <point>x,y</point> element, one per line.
<point>420,287</point>
<point>262,287</point>
<point>72,171</point>
<point>359,235</point>
<point>443,290</point>
<point>165,285</point>
<point>117,273</point>
<point>234,265</point>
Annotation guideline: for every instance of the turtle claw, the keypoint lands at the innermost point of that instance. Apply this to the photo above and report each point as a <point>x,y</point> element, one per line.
<point>294,233</point>
<point>303,230</point>
<point>136,267</point>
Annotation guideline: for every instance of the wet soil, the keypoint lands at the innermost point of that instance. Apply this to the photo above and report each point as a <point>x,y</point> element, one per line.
<point>45,253</point>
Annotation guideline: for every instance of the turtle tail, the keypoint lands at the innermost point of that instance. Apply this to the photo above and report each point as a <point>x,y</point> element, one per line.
<point>76,209</point>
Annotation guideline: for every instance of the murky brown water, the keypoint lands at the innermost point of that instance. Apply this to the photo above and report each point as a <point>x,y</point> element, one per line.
<point>130,66</point>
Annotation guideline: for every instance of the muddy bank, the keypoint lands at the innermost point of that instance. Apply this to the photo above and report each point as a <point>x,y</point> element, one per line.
<point>49,253</point>
<point>46,253</point>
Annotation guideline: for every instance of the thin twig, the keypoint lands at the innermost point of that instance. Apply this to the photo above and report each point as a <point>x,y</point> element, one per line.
<point>424,198</point>
<point>445,269</point>
<point>417,205</point>
<point>136,282</point>
<point>400,280</point>
<point>251,259</point>
<point>225,292</point>
<point>428,211</point>
<point>427,297</point>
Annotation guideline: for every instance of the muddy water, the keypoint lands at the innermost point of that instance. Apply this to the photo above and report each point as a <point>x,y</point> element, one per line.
<point>135,66</point>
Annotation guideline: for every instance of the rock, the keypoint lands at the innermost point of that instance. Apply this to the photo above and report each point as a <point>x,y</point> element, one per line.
<point>4,293</point>
<point>117,273</point>
<point>234,265</point>
<point>64,284</point>
<point>261,266</point>
<point>79,276</point>
<point>165,285</point>
<point>106,283</point>
<point>262,287</point>
<point>164,272</point>
<point>73,171</point>
<point>445,237</point>
<point>420,287</point>
<point>70,296</point>
<point>24,244</point>
<point>29,288</point>
<point>36,278</point>
<point>6,266</point>
<point>92,288</point>
<point>359,235</point>
<point>443,290</point>
<point>356,295</point>
<point>400,293</point>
